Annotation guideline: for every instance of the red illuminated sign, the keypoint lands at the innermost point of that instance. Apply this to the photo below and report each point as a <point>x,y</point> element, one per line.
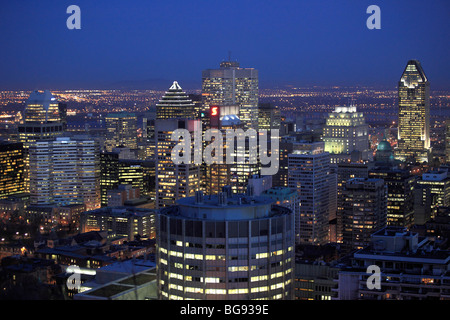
<point>214,110</point>
<point>214,116</point>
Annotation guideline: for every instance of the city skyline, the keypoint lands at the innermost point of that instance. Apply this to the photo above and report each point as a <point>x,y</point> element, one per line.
<point>289,43</point>
<point>225,151</point>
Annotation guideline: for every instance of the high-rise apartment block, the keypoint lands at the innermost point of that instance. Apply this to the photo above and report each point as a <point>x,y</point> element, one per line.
<point>309,174</point>
<point>362,210</point>
<point>65,171</point>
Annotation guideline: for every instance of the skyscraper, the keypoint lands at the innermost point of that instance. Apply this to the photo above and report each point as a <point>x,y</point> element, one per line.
<point>42,121</point>
<point>309,174</point>
<point>413,114</point>
<point>346,131</point>
<point>115,171</point>
<point>175,104</point>
<point>174,181</point>
<point>65,171</point>
<point>269,117</point>
<point>225,246</point>
<point>447,141</point>
<point>232,85</point>
<point>362,211</point>
<point>11,169</point>
<point>121,130</point>
<point>400,201</point>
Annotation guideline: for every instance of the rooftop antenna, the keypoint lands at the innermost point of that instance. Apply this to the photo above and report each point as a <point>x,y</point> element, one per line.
<point>229,56</point>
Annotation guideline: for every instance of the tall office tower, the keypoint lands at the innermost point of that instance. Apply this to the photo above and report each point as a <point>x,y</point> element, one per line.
<point>149,134</point>
<point>227,247</point>
<point>447,140</point>
<point>362,211</point>
<point>413,114</point>
<point>235,173</point>
<point>435,184</point>
<point>116,170</point>
<point>232,85</point>
<point>344,172</point>
<point>175,104</point>
<point>309,175</point>
<point>197,100</point>
<point>400,187</point>
<point>269,116</point>
<point>345,132</point>
<point>41,121</point>
<point>12,179</point>
<point>121,130</point>
<point>280,179</point>
<point>62,109</point>
<point>289,198</point>
<point>65,171</point>
<point>174,181</point>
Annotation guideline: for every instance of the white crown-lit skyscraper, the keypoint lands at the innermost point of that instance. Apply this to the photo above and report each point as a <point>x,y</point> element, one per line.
<point>175,104</point>
<point>413,114</point>
<point>231,85</point>
<point>346,132</point>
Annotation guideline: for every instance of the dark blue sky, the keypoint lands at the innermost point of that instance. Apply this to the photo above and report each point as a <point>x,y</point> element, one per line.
<point>309,42</point>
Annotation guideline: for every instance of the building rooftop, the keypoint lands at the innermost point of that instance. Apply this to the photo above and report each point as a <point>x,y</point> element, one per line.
<point>225,206</point>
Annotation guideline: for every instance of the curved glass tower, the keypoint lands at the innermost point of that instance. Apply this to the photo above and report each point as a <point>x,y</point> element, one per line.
<point>225,247</point>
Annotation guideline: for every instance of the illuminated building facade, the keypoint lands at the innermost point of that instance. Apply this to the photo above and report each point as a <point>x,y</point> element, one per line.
<point>65,171</point>
<point>413,114</point>
<point>115,171</point>
<point>174,181</point>
<point>232,85</point>
<point>447,140</point>
<point>227,247</point>
<point>289,198</point>
<point>123,221</point>
<point>309,170</point>
<point>345,131</point>
<point>362,211</point>
<point>269,117</point>
<point>435,184</point>
<point>41,118</point>
<point>237,173</point>
<point>412,268</point>
<point>175,104</point>
<point>41,121</point>
<point>400,200</point>
<point>121,130</point>
<point>12,166</point>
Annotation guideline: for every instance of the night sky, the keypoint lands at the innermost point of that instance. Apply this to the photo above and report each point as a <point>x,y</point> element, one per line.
<point>310,42</point>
